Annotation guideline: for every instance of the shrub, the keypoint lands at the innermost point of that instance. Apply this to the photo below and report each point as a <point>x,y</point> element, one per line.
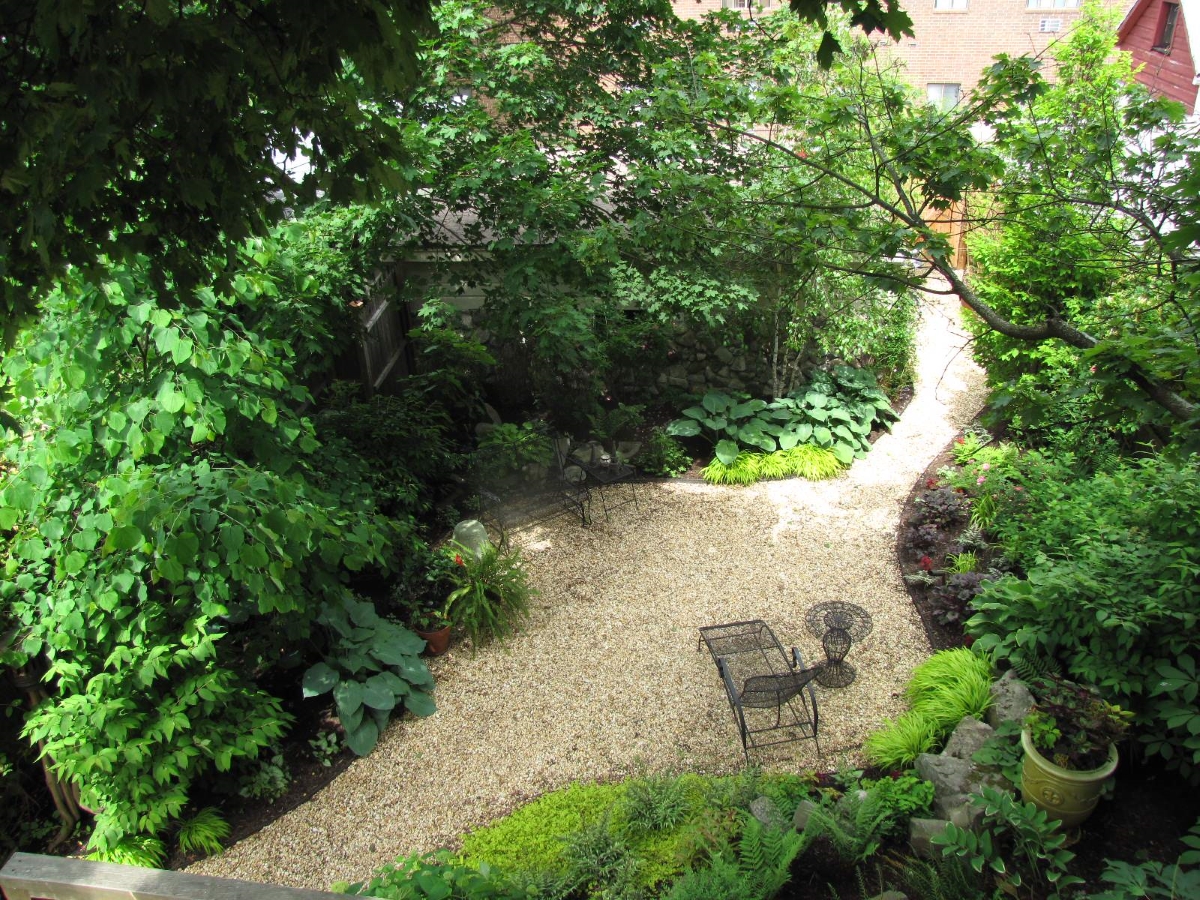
<point>1113,569</point>
<point>663,456</point>
<point>951,600</point>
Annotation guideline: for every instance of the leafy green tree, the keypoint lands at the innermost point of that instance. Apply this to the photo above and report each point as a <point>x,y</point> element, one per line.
<point>149,130</point>
<point>168,533</point>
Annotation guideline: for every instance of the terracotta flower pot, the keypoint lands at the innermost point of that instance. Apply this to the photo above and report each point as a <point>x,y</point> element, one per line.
<point>436,642</point>
<point>1065,794</point>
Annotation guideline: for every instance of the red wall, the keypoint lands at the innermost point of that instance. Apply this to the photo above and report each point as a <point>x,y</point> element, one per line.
<point>1168,74</point>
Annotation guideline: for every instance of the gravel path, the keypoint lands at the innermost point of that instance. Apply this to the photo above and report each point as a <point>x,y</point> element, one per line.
<point>606,680</point>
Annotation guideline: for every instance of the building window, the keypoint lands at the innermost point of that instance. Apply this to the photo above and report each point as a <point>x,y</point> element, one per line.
<point>1166,27</point>
<point>944,96</point>
<point>949,4</point>
<point>1050,25</point>
<point>747,4</point>
<point>1051,4</point>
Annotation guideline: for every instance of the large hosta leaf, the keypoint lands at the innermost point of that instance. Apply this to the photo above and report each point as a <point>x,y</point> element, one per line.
<point>726,452</point>
<point>844,453</point>
<point>716,402</point>
<point>683,428</point>
<point>318,679</point>
<point>362,740</point>
<point>420,704</point>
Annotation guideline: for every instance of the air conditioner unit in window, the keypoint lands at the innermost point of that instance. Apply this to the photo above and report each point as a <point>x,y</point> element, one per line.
<point>1046,25</point>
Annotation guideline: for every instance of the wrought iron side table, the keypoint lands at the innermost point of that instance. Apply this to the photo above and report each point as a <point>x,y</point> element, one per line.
<point>838,624</point>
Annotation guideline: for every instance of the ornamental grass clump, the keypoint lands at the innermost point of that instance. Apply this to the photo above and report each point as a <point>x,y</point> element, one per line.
<point>943,690</point>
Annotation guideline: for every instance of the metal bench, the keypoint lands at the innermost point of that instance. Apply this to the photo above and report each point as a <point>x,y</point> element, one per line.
<point>771,695</point>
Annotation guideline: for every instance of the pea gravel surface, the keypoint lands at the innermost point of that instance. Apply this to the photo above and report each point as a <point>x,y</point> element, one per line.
<point>605,679</point>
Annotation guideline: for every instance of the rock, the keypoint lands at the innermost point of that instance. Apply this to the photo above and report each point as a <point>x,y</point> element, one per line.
<point>492,414</point>
<point>627,450</point>
<point>967,816</point>
<point>725,355</point>
<point>891,895</point>
<point>763,809</point>
<point>803,811</point>
<point>1011,700</point>
<point>952,780</point>
<point>969,736</point>
<point>574,474</point>
<point>472,535</point>
<point>920,836</point>
<point>484,428</point>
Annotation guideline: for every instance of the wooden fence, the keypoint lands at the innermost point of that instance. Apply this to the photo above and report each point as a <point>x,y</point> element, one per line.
<point>30,876</point>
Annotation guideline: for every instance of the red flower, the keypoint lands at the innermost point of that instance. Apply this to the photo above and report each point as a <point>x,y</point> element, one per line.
<point>959,440</point>
<point>926,563</point>
<point>458,560</point>
<point>931,483</point>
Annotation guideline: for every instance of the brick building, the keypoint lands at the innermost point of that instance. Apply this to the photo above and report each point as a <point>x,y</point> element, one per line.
<point>1155,32</point>
<point>954,39</point>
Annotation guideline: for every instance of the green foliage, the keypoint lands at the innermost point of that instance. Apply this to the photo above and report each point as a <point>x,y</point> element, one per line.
<point>492,594</point>
<point>898,742</point>
<point>203,832</point>
<point>808,461</point>
<point>437,876</point>
<point>742,471</point>
<point>530,837</point>
<point>599,862</point>
<point>951,684</point>
<point>1003,751</point>
<point>1016,841</point>
<point>608,425</point>
<point>663,455</point>
<point>133,850</point>
<point>507,449</point>
<point>372,666</point>
<point>1111,566</point>
<point>1072,725</point>
<point>757,869</point>
<point>655,803</point>
<point>868,814</point>
<point>114,159</point>
<point>325,746</point>
<point>836,411</point>
<point>402,442</point>
<point>1191,840</point>
<point>170,537</point>
<point>265,778</point>
<point>1151,880</point>
<point>942,690</point>
<point>940,878</point>
<point>962,563</point>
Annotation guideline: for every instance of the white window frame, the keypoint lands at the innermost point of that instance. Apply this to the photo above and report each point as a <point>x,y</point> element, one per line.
<point>950,4</point>
<point>937,94</point>
<point>1052,4</point>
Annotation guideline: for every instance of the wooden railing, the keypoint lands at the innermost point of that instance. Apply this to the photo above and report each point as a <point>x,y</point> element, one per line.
<point>29,876</point>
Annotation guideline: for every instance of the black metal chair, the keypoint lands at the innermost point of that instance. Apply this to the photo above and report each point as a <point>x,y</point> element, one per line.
<point>771,696</point>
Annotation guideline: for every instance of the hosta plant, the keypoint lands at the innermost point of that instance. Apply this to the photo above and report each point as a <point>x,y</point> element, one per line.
<point>372,667</point>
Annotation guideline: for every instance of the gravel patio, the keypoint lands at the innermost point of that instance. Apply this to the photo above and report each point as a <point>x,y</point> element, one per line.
<point>606,681</point>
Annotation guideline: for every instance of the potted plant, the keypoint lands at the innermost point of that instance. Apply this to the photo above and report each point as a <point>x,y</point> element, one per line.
<point>1070,741</point>
<point>432,626</point>
<point>491,593</point>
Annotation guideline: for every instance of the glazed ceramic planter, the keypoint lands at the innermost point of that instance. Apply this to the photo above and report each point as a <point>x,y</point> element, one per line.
<point>1065,794</point>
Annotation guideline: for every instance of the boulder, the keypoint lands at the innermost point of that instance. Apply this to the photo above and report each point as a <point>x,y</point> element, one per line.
<point>491,413</point>
<point>948,774</point>
<point>921,833</point>
<point>1011,700</point>
<point>472,535</point>
<point>764,809</point>
<point>969,736</point>
<point>803,811</point>
<point>725,355</point>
